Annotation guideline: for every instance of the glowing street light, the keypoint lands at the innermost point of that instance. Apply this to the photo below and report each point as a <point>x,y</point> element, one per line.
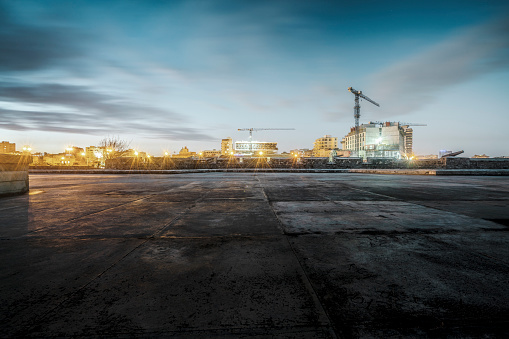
<point>136,153</point>
<point>166,153</point>
<point>261,153</point>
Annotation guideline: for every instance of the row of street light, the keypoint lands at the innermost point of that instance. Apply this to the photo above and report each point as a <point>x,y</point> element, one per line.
<point>100,155</point>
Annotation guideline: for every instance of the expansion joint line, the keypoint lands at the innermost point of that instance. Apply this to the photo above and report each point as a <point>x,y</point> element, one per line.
<point>88,214</point>
<point>307,281</point>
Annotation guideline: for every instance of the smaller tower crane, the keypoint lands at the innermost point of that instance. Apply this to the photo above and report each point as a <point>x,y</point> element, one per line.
<point>261,129</point>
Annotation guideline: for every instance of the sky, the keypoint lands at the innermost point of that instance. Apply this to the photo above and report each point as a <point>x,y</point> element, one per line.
<point>167,74</point>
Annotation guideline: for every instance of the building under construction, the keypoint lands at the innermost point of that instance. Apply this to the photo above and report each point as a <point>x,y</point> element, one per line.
<point>380,140</point>
<point>255,147</point>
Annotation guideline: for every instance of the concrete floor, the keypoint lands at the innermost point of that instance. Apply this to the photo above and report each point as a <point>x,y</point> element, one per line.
<point>256,255</point>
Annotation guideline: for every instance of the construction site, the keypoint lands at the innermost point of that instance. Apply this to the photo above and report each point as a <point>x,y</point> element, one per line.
<point>373,140</point>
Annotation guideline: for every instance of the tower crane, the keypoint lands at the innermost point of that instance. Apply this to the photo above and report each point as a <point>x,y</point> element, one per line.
<point>357,107</point>
<point>261,129</point>
<point>357,112</point>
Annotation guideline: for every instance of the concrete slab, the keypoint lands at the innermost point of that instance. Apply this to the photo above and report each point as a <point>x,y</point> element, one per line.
<point>410,285</point>
<point>290,255</point>
<point>491,210</point>
<point>223,224</point>
<point>174,285</point>
<point>138,219</point>
<point>37,275</point>
<point>377,217</point>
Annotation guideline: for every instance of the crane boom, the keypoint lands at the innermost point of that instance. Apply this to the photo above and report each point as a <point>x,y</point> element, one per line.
<point>359,93</point>
<point>411,124</point>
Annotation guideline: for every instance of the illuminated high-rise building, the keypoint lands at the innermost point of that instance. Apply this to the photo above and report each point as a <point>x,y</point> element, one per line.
<point>226,146</point>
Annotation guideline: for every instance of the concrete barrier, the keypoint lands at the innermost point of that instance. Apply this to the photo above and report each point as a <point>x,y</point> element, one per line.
<point>14,174</point>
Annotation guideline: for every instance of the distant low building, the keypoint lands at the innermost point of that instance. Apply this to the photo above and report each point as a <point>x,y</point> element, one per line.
<point>94,155</point>
<point>7,147</point>
<point>483,156</point>
<point>38,159</point>
<point>60,159</point>
<point>302,152</point>
<point>184,153</point>
<point>131,153</point>
<point>324,145</point>
<point>211,153</point>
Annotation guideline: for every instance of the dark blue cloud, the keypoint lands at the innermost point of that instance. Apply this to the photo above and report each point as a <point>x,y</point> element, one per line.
<point>81,110</point>
<point>36,45</point>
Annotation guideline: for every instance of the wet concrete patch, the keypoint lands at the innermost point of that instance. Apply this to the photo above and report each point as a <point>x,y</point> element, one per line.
<point>182,285</point>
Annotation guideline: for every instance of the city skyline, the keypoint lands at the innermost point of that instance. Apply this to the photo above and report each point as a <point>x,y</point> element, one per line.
<point>189,73</point>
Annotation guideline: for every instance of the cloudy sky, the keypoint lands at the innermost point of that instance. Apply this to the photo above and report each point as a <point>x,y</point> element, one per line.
<point>167,74</point>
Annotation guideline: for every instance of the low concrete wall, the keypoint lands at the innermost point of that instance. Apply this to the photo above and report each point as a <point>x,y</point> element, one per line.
<point>14,174</point>
<point>155,163</point>
<point>304,163</point>
<point>476,163</point>
<point>48,167</point>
